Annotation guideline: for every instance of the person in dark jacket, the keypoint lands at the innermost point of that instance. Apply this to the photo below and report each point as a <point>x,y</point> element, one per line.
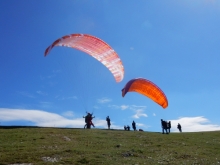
<point>108,122</point>
<point>164,126</point>
<point>134,125</point>
<point>168,126</point>
<point>179,127</point>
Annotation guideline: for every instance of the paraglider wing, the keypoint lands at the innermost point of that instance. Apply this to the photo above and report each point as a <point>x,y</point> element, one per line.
<point>94,47</point>
<point>146,88</point>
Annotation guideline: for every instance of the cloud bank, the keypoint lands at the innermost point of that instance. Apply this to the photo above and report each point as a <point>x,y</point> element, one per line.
<point>39,118</point>
<point>138,110</point>
<point>48,119</point>
<point>194,124</point>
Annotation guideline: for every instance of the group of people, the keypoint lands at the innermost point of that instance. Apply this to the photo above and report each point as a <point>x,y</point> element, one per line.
<point>127,128</point>
<point>89,123</point>
<point>166,126</point>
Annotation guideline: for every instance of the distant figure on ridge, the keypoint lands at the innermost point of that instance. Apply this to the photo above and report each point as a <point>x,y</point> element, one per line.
<point>108,122</point>
<point>88,120</point>
<point>164,126</point>
<point>128,128</point>
<point>125,128</point>
<point>179,127</point>
<point>134,125</point>
<point>168,126</point>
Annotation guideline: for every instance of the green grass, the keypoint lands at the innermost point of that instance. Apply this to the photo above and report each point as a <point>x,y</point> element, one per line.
<point>96,146</point>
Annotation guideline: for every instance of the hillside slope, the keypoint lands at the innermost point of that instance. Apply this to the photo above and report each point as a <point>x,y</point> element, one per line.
<point>35,145</point>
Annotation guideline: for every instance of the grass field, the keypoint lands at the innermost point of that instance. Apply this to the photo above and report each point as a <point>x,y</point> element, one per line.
<point>35,145</point>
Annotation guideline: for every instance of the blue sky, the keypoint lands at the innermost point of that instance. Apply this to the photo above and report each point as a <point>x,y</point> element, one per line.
<point>175,44</point>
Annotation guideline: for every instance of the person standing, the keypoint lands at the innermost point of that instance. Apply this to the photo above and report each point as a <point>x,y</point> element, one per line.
<point>86,120</point>
<point>90,120</point>
<point>169,126</point>
<point>179,127</point>
<point>164,126</point>
<point>108,122</point>
<point>134,125</point>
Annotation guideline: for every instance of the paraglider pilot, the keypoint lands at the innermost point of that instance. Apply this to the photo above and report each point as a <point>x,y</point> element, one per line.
<point>88,121</point>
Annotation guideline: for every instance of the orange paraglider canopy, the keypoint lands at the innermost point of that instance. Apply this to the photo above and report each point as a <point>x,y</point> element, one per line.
<point>95,47</point>
<point>146,88</point>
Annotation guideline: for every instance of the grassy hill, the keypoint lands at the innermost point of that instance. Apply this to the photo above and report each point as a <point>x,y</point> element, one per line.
<point>35,145</point>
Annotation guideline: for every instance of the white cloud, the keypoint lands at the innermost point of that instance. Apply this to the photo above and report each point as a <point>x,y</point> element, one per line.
<point>68,114</point>
<point>48,119</point>
<point>194,124</point>
<point>139,113</point>
<point>39,118</point>
<point>154,114</point>
<point>98,122</point>
<point>136,107</point>
<point>139,110</point>
<point>123,107</point>
<point>131,107</point>
<point>141,126</point>
<point>104,100</point>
